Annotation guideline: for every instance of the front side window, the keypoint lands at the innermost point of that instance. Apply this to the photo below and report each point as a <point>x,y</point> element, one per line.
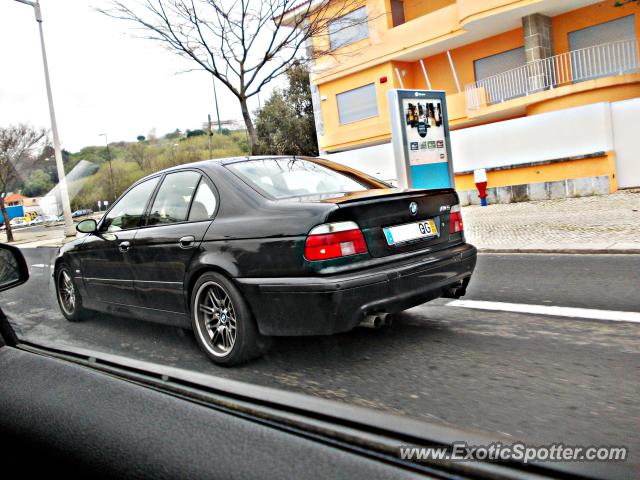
<point>283,178</point>
<point>174,197</point>
<point>348,28</point>
<point>357,104</point>
<point>129,210</point>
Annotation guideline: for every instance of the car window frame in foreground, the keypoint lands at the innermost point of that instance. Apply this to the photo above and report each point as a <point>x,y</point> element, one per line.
<point>361,431</point>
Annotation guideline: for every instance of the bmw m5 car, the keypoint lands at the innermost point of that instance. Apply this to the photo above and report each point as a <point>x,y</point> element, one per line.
<point>242,249</point>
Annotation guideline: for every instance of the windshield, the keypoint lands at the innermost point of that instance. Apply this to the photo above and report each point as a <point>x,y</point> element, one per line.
<point>284,178</point>
<point>374,214</point>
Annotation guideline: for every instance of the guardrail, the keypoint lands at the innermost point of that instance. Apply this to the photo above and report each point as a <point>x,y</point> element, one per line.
<point>607,59</point>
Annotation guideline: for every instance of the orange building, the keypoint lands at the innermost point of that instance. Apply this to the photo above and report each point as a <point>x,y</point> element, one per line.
<point>497,60</point>
<point>14,199</point>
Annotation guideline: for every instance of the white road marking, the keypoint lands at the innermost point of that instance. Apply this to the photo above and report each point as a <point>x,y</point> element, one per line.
<point>609,315</point>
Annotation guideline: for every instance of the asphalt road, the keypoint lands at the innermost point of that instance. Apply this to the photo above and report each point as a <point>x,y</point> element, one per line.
<point>539,378</point>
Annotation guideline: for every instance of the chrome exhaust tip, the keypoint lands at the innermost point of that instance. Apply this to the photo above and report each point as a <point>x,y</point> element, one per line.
<point>371,321</point>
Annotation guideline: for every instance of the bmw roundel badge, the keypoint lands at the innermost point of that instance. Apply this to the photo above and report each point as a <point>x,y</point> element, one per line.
<point>413,208</point>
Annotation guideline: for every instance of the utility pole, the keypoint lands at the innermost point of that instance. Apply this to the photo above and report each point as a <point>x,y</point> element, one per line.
<point>209,132</point>
<point>69,229</point>
<point>106,141</point>
<point>215,99</point>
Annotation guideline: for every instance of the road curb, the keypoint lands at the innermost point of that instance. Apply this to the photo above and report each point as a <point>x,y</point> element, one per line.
<point>568,251</point>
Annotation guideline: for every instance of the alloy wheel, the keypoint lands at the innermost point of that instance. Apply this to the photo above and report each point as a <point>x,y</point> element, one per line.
<point>66,292</point>
<point>216,318</point>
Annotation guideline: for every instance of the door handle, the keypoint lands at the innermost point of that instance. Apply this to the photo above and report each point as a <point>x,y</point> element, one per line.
<point>187,242</point>
<point>124,246</point>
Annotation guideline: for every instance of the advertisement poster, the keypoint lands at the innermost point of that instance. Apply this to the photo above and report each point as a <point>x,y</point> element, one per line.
<point>425,132</point>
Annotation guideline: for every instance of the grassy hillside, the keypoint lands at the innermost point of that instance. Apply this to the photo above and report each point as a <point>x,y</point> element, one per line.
<point>133,160</point>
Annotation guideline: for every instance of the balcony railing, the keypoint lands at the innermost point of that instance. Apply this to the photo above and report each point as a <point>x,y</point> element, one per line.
<point>615,58</point>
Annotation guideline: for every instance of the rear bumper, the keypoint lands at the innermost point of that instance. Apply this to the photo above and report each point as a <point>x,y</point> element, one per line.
<point>337,303</point>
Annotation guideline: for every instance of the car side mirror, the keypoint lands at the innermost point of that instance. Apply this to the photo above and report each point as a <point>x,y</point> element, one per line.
<point>87,226</point>
<point>13,267</point>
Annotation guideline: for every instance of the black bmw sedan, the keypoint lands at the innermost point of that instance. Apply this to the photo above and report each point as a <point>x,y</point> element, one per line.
<point>242,249</point>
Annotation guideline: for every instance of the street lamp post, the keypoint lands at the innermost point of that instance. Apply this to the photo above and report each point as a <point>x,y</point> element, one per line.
<point>106,140</point>
<point>69,230</point>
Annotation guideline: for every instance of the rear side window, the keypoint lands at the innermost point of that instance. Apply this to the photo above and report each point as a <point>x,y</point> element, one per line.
<point>283,178</point>
<point>204,203</point>
<point>129,210</point>
<point>174,197</point>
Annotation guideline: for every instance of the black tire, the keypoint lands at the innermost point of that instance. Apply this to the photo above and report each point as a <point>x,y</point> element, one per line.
<point>72,311</point>
<point>224,327</point>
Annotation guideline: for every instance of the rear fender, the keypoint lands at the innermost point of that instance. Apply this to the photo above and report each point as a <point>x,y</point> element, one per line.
<point>208,262</point>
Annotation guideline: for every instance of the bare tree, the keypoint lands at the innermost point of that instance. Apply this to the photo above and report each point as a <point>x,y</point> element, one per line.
<point>137,153</point>
<point>243,43</point>
<point>19,145</point>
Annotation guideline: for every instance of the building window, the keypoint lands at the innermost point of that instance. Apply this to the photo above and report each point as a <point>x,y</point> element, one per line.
<point>605,49</point>
<point>348,28</point>
<point>357,104</point>
<point>620,29</point>
<point>397,12</point>
<point>487,68</point>
<point>499,63</point>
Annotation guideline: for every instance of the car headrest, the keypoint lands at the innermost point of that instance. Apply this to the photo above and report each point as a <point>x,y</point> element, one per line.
<point>198,211</point>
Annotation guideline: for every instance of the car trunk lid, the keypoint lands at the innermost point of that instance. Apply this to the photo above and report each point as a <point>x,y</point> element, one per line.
<point>375,210</point>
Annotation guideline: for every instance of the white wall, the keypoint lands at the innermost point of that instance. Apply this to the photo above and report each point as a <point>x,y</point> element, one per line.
<point>376,161</point>
<point>598,127</point>
<point>626,141</point>
<point>547,136</point>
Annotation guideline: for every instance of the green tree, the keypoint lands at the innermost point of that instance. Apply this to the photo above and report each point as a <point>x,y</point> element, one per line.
<point>175,135</point>
<point>38,183</point>
<point>285,125</point>
<point>195,133</point>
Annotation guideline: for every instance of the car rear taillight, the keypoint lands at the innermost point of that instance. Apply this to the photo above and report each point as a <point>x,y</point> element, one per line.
<point>334,240</point>
<point>455,220</point>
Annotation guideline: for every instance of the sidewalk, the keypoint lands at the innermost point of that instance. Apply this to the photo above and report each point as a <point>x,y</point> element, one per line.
<point>598,224</point>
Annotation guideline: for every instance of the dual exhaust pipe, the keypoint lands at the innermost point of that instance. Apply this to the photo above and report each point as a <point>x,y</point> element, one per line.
<point>377,320</point>
<point>456,290</point>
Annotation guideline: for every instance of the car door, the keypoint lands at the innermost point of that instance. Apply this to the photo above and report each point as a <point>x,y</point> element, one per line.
<point>162,250</point>
<point>105,256</point>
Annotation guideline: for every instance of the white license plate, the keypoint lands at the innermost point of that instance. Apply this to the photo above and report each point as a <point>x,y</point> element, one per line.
<point>410,231</point>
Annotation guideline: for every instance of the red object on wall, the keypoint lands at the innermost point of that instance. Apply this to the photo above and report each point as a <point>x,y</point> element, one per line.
<point>383,79</point>
<point>482,189</point>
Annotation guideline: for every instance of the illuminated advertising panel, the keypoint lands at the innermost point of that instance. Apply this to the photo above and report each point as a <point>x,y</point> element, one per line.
<point>420,137</point>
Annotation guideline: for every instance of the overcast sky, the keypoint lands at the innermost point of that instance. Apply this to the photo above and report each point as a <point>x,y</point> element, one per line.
<point>103,80</point>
